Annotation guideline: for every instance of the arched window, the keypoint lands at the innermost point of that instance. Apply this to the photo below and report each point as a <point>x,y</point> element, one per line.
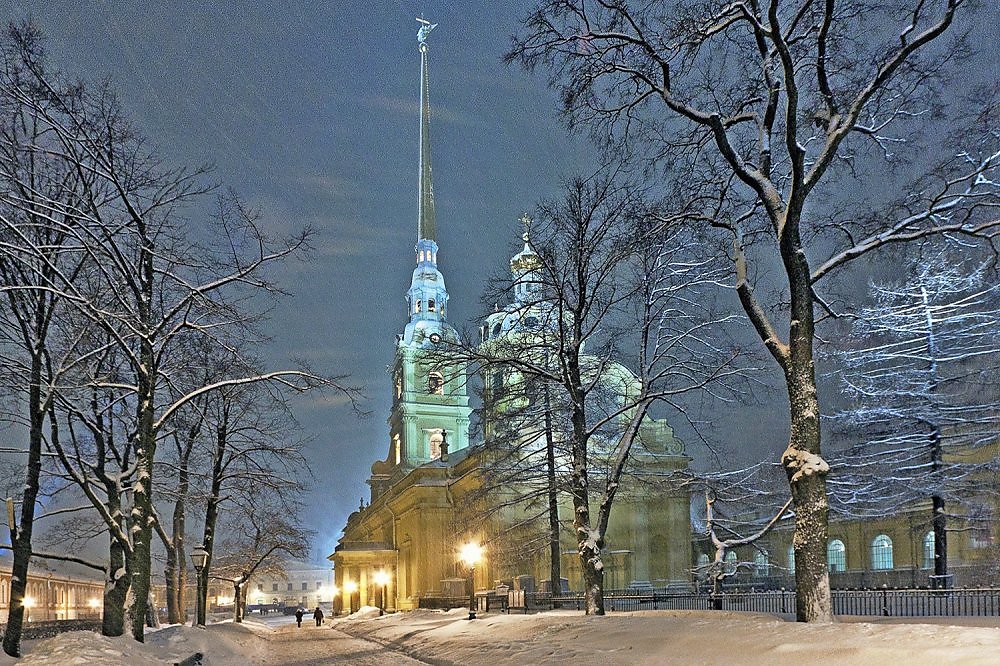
<point>929,550</point>
<point>761,565</point>
<point>496,328</point>
<point>430,305</point>
<point>881,553</point>
<point>416,306</point>
<point>730,562</point>
<point>703,561</point>
<point>836,556</point>
<point>791,559</point>
<point>531,322</point>
<point>435,383</point>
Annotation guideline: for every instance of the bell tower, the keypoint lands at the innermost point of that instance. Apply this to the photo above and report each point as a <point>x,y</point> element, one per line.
<point>429,389</point>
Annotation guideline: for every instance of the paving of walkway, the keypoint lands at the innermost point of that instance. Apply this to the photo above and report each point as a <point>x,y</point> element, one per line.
<point>289,645</point>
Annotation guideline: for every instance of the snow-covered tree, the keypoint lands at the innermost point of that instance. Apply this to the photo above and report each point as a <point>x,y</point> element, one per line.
<point>920,372</point>
<point>601,330</point>
<point>781,113</point>
<point>150,282</point>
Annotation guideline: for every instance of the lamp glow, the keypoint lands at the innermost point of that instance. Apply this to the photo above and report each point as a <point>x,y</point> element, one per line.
<point>350,586</point>
<point>470,554</point>
<point>94,603</point>
<point>28,602</point>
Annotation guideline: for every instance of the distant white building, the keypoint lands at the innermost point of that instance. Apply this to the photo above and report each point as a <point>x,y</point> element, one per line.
<point>304,584</point>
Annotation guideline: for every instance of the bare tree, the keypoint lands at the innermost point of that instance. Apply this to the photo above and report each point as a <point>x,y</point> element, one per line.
<point>29,179</point>
<point>255,458</point>
<point>603,317</point>
<point>784,109</point>
<point>919,377</point>
<point>149,285</point>
<point>259,536</point>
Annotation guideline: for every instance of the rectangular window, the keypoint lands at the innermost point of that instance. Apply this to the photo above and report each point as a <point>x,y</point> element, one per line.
<point>289,587</point>
<point>305,586</point>
<point>274,587</point>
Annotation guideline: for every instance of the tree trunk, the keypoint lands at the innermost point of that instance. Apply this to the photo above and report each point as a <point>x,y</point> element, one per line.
<point>212,513</point>
<point>20,535</point>
<point>141,524</point>
<point>589,542</point>
<point>939,520</point>
<point>806,472</point>
<point>170,577</point>
<point>805,468</point>
<point>555,573</point>
<point>117,585</point>
<point>237,609</point>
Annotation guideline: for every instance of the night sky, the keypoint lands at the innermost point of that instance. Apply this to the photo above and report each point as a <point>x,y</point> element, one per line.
<point>312,114</point>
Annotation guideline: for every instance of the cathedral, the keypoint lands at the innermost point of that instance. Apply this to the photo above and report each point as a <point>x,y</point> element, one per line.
<point>403,545</point>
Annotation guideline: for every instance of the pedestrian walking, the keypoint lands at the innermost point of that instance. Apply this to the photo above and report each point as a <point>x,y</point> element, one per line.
<point>318,616</point>
<point>298,617</point>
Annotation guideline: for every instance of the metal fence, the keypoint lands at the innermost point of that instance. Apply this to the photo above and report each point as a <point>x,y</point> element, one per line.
<point>886,602</point>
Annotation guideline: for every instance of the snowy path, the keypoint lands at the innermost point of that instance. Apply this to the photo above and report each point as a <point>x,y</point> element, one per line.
<point>316,646</point>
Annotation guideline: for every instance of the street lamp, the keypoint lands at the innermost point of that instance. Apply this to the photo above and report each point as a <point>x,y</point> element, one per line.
<point>381,579</point>
<point>350,587</point>
<point>470,554</point>
<point>28,603</point>
<point>199,556</point>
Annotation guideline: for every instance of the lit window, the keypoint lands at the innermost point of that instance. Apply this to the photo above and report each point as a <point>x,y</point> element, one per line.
<point>396,446</point>
<point>761,565</point>
<point>730,563</point>
<point>882,553</point>
<point>791,559</point>
<point>929,550</point>
<point>836,556</point>
<point>435,383</point>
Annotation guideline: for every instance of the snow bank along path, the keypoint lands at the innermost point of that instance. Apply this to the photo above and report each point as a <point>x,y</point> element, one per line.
<point>671,637</point>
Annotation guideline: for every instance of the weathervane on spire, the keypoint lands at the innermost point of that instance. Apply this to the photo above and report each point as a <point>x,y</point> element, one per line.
<point>425,29</point>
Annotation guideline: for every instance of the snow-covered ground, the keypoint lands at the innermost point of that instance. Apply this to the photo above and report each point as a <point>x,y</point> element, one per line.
<point>674,637</point>
<point>646,637</point>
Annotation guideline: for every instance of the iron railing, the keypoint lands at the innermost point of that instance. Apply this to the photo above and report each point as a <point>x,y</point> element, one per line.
<point>980,602</point>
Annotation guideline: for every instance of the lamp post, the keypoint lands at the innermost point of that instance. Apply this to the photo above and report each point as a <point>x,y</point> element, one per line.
<point>350,587</point>
<point>470,554</point>
<point>199,556</point>
<point>381,579</point>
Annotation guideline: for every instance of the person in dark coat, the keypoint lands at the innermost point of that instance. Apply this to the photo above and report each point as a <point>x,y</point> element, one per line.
<point>318,616</point>
<point>298,617</point>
